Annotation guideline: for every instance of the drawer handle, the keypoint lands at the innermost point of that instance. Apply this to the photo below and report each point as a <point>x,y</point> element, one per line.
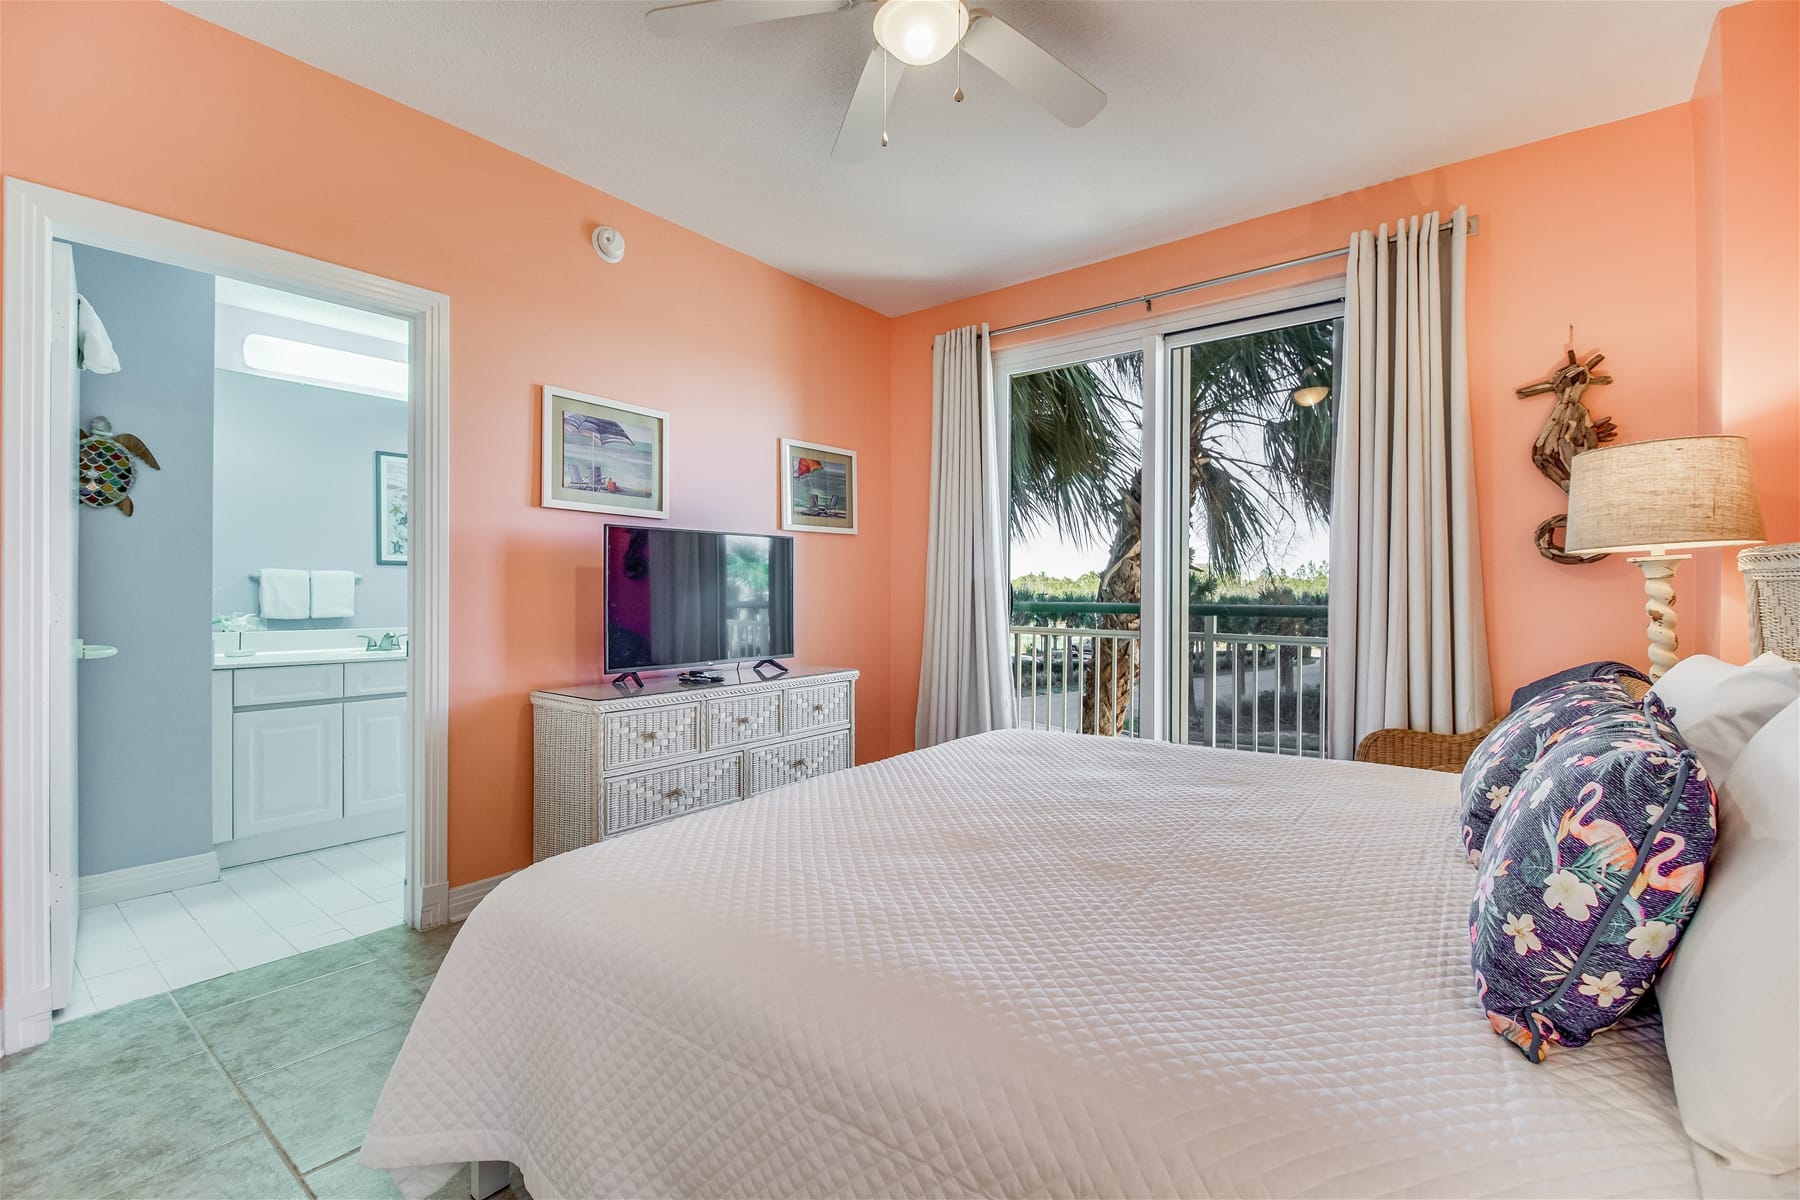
<point>649,735</point>
<point>818,708</point>
<point>674,793</point>
<point>799,764</point>
<point>743,720</point>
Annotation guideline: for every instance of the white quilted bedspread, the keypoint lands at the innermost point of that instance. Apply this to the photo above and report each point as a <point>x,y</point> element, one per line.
<point>1021,964</point>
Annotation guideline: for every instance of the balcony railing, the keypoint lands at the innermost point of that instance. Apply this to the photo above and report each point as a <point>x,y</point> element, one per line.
<point>1247,688</point>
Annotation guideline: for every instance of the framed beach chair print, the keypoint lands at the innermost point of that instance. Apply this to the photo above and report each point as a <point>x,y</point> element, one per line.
<point>604,456</point>
<point>818,487</point>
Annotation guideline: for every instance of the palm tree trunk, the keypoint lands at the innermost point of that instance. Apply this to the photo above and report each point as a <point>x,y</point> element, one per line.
<point>1112,678</point>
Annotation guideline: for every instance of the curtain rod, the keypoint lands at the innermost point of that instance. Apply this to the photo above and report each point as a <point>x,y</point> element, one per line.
<point>1150,297</point>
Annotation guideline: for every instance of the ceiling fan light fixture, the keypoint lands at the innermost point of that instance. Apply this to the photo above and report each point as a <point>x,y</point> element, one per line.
<point>920,32</point>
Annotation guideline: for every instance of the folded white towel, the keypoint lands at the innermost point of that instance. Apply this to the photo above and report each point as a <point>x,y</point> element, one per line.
<point>93,348</point>
<point>333,593</point>
<point>286,595</point>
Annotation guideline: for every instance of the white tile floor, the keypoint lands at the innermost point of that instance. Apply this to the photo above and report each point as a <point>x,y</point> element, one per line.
<point>254,914</point>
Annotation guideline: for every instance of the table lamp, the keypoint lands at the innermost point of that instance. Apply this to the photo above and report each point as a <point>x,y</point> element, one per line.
<point>1673,494</point>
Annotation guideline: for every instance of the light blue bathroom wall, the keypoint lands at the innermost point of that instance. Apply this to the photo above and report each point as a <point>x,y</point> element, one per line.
<point>294,486</point>
<point>144,782</point>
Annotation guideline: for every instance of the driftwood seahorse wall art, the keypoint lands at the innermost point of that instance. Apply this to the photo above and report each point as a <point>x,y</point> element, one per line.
<point>1567,431</point>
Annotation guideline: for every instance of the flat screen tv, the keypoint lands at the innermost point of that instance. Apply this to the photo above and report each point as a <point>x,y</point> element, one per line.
<point>692,598</point>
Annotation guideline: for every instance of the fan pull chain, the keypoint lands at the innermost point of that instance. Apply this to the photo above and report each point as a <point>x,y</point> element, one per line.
<point>959,92</point>
<point>884,96</point>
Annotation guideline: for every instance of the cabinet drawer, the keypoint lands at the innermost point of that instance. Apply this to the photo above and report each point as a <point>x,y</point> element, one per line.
<point>639,800</point>
<point>385,678</point>
<point>733,720</point>
<point>818,707</point>
<point>641,737</point>
<point>287,685</point>
<point>772,766</point>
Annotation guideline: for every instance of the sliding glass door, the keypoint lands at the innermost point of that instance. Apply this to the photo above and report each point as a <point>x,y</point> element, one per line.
<point>1170,501</point>
<point>1077,471</point>
<point>1256,404</point>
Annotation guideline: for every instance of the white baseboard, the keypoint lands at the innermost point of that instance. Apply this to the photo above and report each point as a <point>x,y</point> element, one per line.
<point>463,899</point>
<point>110,887</point>
<point>26,1022</point>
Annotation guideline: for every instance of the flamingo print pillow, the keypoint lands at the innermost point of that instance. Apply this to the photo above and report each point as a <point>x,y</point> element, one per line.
<point>1512,746</point>
<point>1591,872</point>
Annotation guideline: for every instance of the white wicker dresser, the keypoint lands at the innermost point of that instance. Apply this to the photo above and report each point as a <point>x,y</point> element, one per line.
<point>607,761</point>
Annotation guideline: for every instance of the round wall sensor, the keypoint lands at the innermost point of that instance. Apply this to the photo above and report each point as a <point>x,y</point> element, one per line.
<point>609,243</point>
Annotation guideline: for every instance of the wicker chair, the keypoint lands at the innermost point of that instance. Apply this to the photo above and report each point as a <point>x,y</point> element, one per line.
<point>1772,603</point>
<point>1442,751</point>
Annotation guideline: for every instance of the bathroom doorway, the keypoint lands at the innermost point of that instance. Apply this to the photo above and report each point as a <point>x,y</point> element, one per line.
<point>240,790</point>
<point>262,442</point>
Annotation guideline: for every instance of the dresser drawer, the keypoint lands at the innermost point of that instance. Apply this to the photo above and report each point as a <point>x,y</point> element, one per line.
<point>772,766</point>
<point>818,707</point>
<point>287,685</point>
<point>638,800</point>
<point>733,720</point>
<point>375,678</point>
<point>636,738</point>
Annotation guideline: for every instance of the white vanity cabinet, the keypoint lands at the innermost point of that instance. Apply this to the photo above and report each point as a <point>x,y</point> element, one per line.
<point>287,768</point>
<point>314,755</point>
<point>375,754</point>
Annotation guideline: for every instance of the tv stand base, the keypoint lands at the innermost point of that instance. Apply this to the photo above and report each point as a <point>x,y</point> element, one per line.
<point>759,664</point>
<point>626,681</point>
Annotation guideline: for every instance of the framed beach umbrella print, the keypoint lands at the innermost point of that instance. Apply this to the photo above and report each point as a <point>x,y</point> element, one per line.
<point>604,456</point>
<point>818,487</point>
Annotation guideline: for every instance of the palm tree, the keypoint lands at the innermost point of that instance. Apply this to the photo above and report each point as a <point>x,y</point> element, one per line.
<point>1076,434</point>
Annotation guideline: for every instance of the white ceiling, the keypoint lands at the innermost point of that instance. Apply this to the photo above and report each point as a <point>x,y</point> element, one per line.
<point>1219,110</point>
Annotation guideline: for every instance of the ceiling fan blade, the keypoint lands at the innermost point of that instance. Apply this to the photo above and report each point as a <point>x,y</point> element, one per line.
<point>704,16</point>
<point>1033,70</point>
<point>860,134</point>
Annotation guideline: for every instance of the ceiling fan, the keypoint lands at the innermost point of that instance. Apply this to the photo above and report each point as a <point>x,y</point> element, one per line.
<point>917,33</point>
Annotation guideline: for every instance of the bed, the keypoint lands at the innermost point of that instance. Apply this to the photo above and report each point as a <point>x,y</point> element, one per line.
<point>1017,964</point>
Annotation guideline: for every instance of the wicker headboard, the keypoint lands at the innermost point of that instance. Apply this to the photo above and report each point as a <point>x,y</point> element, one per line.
<point>1772,596</point>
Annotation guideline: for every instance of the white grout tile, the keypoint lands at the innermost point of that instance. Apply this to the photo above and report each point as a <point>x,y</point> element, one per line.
<point>283,908</point>
<point>358,872</point>
<point>387,892</point>
<point>206,895</point>
<point>254,951</point>
<point>98,920</point>
<point>165,931</point>
<point>81,1002</point>
<point>120,987</point>
<point>104,958</point>
<point>313,934</point>
<point>371,919</point>
<point>184,969</point>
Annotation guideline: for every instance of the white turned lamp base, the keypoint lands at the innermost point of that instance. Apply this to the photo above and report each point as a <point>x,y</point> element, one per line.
<point>1659,606</point>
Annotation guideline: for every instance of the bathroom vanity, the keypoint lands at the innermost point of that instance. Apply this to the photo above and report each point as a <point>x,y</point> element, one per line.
<point>310,748</point>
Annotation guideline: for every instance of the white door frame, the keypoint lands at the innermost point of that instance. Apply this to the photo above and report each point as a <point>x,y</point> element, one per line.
<point>35,474</point>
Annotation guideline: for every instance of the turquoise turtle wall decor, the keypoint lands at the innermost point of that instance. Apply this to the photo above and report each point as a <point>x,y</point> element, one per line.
<point>107,465</point>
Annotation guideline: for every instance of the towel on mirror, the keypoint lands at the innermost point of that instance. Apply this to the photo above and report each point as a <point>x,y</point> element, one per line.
<point>93,347</point>
<point>286,595</point>
<point>333,593</point>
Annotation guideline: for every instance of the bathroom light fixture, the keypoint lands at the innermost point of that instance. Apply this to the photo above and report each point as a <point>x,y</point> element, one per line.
<point>307,363</point>
<point>919,32</point>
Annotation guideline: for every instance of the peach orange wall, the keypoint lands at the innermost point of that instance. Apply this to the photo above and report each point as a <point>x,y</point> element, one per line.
<point>1747,174</point>
<point>1594,229</point>
<point>145,106</point>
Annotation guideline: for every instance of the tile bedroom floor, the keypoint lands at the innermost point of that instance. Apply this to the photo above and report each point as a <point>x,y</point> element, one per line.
<point>254,914</point>
<point>252,1085</point>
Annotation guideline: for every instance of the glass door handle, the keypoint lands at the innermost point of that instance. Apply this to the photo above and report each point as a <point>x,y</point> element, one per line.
<point>89,650</point>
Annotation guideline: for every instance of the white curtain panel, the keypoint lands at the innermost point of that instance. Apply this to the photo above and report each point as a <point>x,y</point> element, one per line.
<point>1408,632</point>
<point>963,678</point>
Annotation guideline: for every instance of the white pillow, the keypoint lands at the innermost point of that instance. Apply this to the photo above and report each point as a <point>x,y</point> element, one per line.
<point>1731,996</point>
<point>1718,706</point>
